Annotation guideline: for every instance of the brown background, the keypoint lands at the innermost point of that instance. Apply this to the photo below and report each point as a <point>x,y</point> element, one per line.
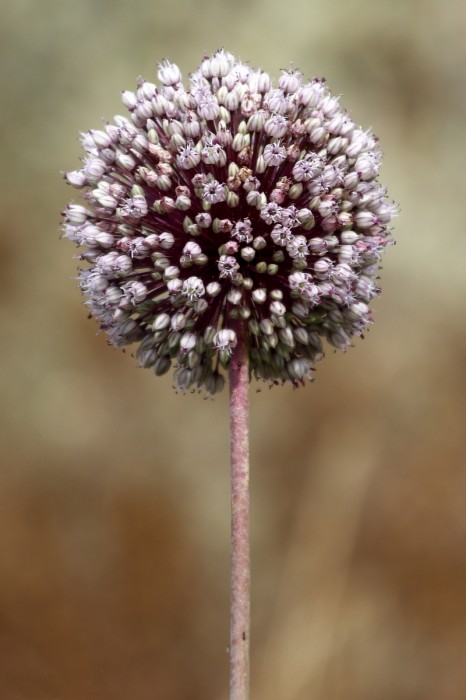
<point>114,495</point>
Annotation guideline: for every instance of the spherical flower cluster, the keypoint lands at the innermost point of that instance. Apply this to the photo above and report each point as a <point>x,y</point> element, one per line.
<point>232,202</point>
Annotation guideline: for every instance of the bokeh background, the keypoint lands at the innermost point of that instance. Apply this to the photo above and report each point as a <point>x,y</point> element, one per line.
<point>114,491</point>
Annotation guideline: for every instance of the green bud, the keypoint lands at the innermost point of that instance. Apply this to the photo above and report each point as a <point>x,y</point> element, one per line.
<point>187,222</point>
<point>161,263</point>
<point>233,170</point>
<point>159,336</point>
<point>201,259</point>
<point>209,335</point>
<point>153,136</point>
<point>278,321</point>
<point>162,365</point>
<point>278,256</point>
<point>232,199</point>
<point>161,321</point>
<point>259,243</point>
<point>266,326</point>
<point>136,191</point>
<point>193,359</point>
<point>248,253</point>
<point>224,357</point>
<point>253,326</point>
<point>301,335</point>
<point>295,191</point>
<point>276,294</point>
<point>174,340</point>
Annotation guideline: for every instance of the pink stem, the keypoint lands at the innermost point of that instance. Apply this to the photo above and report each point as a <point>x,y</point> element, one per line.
<point>240,568</point>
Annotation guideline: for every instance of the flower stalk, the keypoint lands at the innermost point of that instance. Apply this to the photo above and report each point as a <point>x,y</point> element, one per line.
<point>240,559</point>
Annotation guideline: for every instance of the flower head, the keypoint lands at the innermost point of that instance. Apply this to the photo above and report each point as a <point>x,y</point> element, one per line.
<point>230,202</point>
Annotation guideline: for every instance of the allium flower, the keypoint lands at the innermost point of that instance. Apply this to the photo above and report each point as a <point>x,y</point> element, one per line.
<point>230,201</point>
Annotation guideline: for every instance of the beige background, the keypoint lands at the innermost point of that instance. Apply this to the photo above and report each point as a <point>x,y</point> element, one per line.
<point>114,500</point>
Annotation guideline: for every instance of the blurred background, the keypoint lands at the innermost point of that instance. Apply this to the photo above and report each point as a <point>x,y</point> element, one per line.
<point>114,491</point>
